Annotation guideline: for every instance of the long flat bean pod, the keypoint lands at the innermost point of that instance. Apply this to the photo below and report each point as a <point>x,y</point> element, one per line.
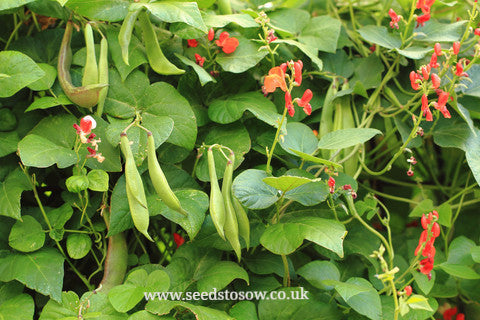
<point>90,71</point>
<point>231,223</point>
<point>125,34</point>
<point>217,205</point>
<point>102,75</point>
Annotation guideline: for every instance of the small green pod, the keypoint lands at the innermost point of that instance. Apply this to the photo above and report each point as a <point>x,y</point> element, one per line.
<point>125,34</point>
<point>217,205</point>
<point>137,200</point>
<point>90,71</point>
<point>85,96</point>
<point>156,58</point>
<point>102,75</point>
<point>243,222</point>
<point>231,223</point>
<point>159,180</point>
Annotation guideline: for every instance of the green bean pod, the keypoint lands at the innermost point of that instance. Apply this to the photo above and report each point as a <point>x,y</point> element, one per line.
<point>231,223</point>
<point>102,75</point>
<point>125,34</point>
<point>85,96</point>
<point>159,180</point>
<point>243,222</point>
<point>137,200</point>
<point>156,58</point>
<point>326,119</point>
<point>217,205</point>
<point>90,71</point>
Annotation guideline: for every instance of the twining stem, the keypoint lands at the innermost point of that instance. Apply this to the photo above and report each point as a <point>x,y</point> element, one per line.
<point>270,152</point>
<point>286,274</point>
<point>395,299</point>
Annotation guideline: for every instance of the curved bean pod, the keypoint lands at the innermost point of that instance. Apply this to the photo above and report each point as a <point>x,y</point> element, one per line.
<point>217,205</point>
<point>125,34</point>
<point>90,71</point>
<point>231,223</point>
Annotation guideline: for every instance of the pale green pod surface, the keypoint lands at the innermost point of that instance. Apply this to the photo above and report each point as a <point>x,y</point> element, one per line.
<point>231,223</point>
<point>125,34</point>
<point>217,205</point>
<point>159,180</point>
<point>326,118</point>
<point>242,219</point>
<point>102,75</point>
<point>90,71</point>
<point>137,200</point>
<point>156,58</point>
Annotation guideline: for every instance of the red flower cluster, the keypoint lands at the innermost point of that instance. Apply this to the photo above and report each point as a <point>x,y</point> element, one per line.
<point>430,233</point>
<point>408,290</point>
<point>227,43</point>
<point>87,123</point>
<point>449,313</point>
<point>179,240</point>
<point>276,79</point>
<point>331,184</point>
<point>395,18</point>
<point>425,6</point>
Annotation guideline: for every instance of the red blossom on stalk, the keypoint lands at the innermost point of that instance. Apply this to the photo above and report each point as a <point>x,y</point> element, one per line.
<point>459,70</point>
<point>305,101</point>
<point>438,49</point>
<point>274,80</point>
<point>456,47</point>
<point>331,184</point>
<point>408,290</point>
<point>199,59</point>
<point>427,239</point>
<point>211,34</point>
<point>271,36</point>
<point>435,80</point>
<point>414,80</point>
<point>410,172</point>
<point>449,313</point>
<point>425,5</point>
<point>476,32</point>
<point>433,61</point>
<point>425,72</point>
<point>289,104</point>
<point>422,19</point>
<point>441,104</point>
<point>179,240</point>
<point>192,43</point>
<point>297,67</point>
<point>87,123</point>
<point>425,109</point>
<point>227,43</point>
<point>395,18</point>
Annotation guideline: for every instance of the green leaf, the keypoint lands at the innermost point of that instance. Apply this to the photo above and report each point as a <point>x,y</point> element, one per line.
<point>59,216</point>
<point>415,53</point>
<point>200,312</point>
<point>98,180</point>
<point>423,207</point>
<point>234,136</point>
<point>203,76</point>
<point>50,142</point>
<point>78,245</point>
<point>220,275</point>
<point>286,183</point>
<point>309,194</point>
<point>434,31</point>
<point>8,142</point>
<point>359,294</point>
<point>244,310</point>
<point>472,85</point>
<point>309,51</point>
<point>220,21</point>
<point>459,271</point>
<point>286,237</point>
<point>231,108</point>
<point>17,71</point>
<point>299,137</point>
<point>252,192</point>
<point>452,136</point>
<point>345,138</point>
<point>49,102</point>
<point>194,202</point>
<point>11,192</point>
<point>416,301</point>
<point>20,307</point>
<point>380,36</point>
<point>41,271</point>
<point>26,235</point>
<point>107,10</point>
<point>289,20</point>
<point>125,297</point>
<point>472,152</point>
<point>459,251</point>
<point>12,4</point>
<point>389,310</point>
<point>475,251</point>
<point>445,214</point>
<point>120,218</point>
<point>171,11</point>
<point>314,159</point>
<point>246,56</point>
<point>424,283</point>
<point>316,272</point>
<point>46,82</point>
<point>322,32</point>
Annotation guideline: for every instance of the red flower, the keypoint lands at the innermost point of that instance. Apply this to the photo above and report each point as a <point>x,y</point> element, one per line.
<point>435,229</point>
<point>305,101</point>
<point>422,19</point>
<point>449,313</point>
<point>477,32</point>
<point>438,49</point>
<point>271,36</point>
<point>395,18</point>
<point>460,316</point>
<point>426,267</point>
<point>87,123</point>
<point>289,104</point>
<point>425,72</point>
<point>199,59</point>
<point>441,104</point>
<point>297,68</point>
<point>284,67</point>
<point>179,240</point>
<point>227,43</point>
<point>433,61</point>
<point>459,70</point>
<point>192,43</point>
<point>425,5</point>
<point>456,47</point>
<point>211,34</point>
<point>435,80</point>
<point>331,184</point>
<point>414,77</point>
<point>410,172</point>
<point>274,80</point>
<point>424,102</point>
<point>408,290</point>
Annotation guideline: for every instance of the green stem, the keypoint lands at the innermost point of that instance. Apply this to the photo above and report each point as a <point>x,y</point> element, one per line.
<point>270,152</point>
<point>286,272</point>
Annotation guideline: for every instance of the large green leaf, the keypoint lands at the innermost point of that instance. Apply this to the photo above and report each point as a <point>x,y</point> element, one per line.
<point>308,50</point>
<point>11,192</point>
<point>220,275</point>
<point>434,31</point>
<point>380,36</point>
<point>49,143</point>
<point>20,307</point>
<point>203,76</point>
<point>459,271</point>
<point>459,251</point>
<point>244,310</point>
<point>49,102</point>
<point>246,56</point>
<point>231,108</point>
<point>11,4</point>
<point>472,154</point>
<point>46,82</point>
<point>220,21</point>
<point>41,271</point>
<point>234,136</point>
<point>78,245</point>
<point>299,137</point>
<point>322,32</point>
<point>194,202</point>
<point>108,10</point>
<point>286,183</point>
<point>316,272</point>
<point>286,237</point>
<point>289,20</point>
<point>171,11</point>
<point>252,192</point>
<point>8,142</point>
<point>309,194</point>
<point>26,235</point>
<point>120,218</point>
<point>17,71</point>
<point>359,294</point>
<point>345,138</point>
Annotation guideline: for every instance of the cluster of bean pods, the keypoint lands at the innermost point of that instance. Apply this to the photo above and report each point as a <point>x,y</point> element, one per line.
<point>95,77</point>
<point>137,200</point>
<point>228,215</point>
